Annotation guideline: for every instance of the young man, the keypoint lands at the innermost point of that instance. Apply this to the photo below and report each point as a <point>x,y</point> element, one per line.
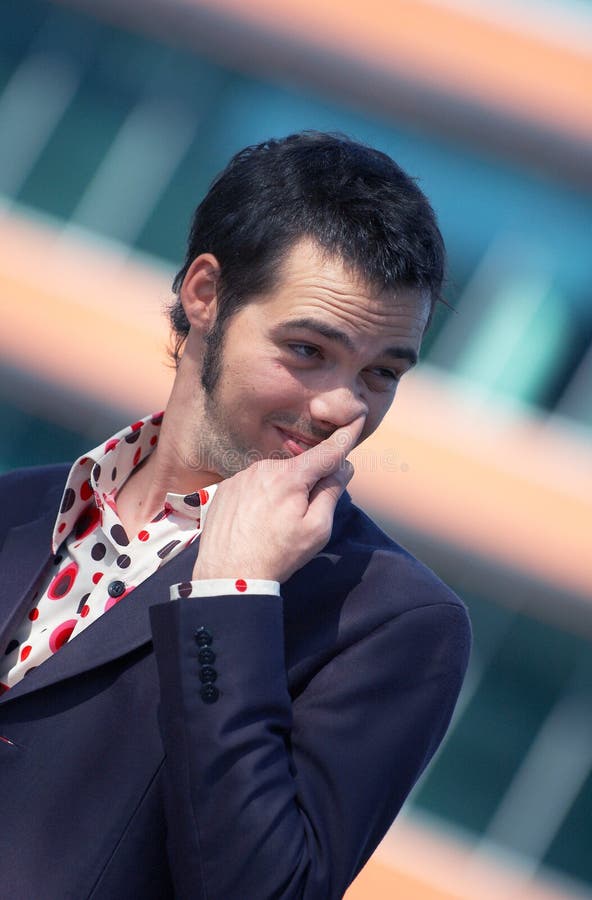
<point>221,679</point>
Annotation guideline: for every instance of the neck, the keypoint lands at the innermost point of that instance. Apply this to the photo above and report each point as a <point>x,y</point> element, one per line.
<point>170,468</point>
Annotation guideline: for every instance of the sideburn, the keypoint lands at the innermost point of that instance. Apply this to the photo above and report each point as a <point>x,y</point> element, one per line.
<point>212,359</point>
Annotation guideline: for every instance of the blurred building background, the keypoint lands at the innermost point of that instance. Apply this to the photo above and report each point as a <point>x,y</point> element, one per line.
<point>113,120</point>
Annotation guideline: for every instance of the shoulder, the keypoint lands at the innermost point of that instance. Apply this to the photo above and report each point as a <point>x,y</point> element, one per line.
<point>365,590</point>
<point>27,493</point>
<point>387,575</point>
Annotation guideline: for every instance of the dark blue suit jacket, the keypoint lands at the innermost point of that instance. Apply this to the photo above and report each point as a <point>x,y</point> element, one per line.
<point>118,780</point>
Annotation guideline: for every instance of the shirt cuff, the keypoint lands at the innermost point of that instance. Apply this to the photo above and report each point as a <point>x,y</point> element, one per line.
<point>221,587</point>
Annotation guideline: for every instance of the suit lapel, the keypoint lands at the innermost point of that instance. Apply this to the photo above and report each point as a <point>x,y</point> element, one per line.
<point>25,553</point>
<point>123,628</point>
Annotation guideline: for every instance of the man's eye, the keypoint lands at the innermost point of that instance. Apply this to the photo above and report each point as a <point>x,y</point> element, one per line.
<point>304,350</point>
<point>386,374</point>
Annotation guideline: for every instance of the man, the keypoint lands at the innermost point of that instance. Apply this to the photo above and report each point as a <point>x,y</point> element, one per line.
<point>254,735</point>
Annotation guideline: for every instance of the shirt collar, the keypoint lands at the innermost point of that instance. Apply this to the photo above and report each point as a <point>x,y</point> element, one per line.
<point>99,474</point>
<point>96,477</point>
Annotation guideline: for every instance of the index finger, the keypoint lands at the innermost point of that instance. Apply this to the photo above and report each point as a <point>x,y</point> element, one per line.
<point>344,439</point>
<point>328,455</point>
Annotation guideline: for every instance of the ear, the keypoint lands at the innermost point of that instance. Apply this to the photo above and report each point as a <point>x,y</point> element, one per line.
<point>199,292</point>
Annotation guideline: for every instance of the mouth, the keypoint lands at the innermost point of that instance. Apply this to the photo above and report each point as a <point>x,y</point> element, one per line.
<point>295,443</point>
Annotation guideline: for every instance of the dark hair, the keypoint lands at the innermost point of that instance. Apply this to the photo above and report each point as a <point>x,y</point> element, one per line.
<point>353,201</point>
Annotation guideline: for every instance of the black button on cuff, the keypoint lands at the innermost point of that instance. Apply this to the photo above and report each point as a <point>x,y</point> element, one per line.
<point>207,674</point>
<point>203,637</point>
<point>206,656</point>
<point>116,589</point>
<point>209,693</point>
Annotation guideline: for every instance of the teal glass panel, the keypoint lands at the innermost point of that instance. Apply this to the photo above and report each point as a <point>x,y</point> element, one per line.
<point>20,23</point>
<point>525,675</point>
<point>75,149</point>
<point>28,440</point>
<point>521,340</point>
<point>570,851</point>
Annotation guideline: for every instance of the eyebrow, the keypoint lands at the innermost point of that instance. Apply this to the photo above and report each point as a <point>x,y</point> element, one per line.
<point>340,337</point>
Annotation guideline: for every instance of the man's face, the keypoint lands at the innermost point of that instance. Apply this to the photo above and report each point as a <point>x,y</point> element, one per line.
<point>311,356</point>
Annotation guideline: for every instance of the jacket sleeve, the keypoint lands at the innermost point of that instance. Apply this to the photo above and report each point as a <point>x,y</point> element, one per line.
<point>272,797</point>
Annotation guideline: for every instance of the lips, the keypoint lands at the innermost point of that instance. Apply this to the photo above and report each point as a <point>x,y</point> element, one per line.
<point>295,443</point>
<point>304,442</point>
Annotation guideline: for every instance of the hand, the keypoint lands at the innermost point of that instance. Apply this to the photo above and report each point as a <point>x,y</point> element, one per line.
<point>270,519</point>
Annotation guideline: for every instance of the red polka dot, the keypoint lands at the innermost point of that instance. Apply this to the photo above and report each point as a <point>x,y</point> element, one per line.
<point>240,584</point>
<point>63,581</point>
<point>82,461</point>
<point>61,527</point>
<point>143,535</point>
<point>153,440</point>
<point>137,456</point>
<point>3,689</point>
<point>60,635</point>
<point>97,577</point>
<point>86,491</point>
<point>136,426</point>
<point>203,497</point>
<point>111,444</point>
<point>34,614</point>
<point>25,652</point>
<point>85,610</point>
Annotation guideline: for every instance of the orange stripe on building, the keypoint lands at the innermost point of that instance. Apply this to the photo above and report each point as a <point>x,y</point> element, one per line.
<point>450,50</point>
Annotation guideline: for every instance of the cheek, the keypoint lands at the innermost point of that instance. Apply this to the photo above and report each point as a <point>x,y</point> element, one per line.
<point>262,388</point>
<point>275,386</point>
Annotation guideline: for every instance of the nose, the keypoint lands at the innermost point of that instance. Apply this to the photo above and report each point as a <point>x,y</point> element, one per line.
<point>336,406</point>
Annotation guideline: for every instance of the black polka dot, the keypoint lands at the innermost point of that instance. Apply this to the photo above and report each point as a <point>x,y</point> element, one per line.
<point>57,559</point>
<point>84,521</point>
<point>164,551</point>
<point>133,437</point>
<point>98,551</point>
<point>68,500</point>
<point>82,602</point>
<point>96,471</point>
<point>119,535</point>
<point>159,516</point>
<point>11,646</point>
<point>114,473</point>
<point>157,419</point>
<point>192,499</point>
<point>185,589</point>
<point>123,561</point>
<point>63,584</point>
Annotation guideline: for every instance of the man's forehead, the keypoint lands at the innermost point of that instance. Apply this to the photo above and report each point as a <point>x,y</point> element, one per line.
<point>306,258</point>
<point>307,266</point>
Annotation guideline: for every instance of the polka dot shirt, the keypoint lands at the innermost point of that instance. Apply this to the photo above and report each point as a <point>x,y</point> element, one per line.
<point>95,563</point>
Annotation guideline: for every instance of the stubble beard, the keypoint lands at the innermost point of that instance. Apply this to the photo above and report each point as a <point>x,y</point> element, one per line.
<point>218,448</point>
